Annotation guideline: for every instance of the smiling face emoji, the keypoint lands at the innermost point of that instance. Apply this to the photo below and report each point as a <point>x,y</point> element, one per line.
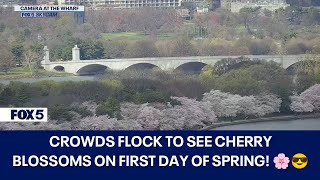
<point>299,161</point>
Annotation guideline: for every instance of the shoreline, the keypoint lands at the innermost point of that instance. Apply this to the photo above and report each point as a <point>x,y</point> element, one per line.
<point>43,78</point>
<point>262,119</point>
<point>24,76</point>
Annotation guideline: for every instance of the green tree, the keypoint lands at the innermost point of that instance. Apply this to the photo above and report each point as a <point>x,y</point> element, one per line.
<point>63,52</point>
<point>304,81</point>
<point>111,107</point>
<point>90,49</point>
<point>7,96</point>
<point>150,96</point>
<point>308,72</point>
<point>277,81</point>
<point>6,60</point>
<point>240,81</point>
<point>207,72</point>
<point>83,111</point>
<point>17,50</point>
<point>22,95</point>
<point>228,64</point>
<point>60,113</point>
<point>276,78</point>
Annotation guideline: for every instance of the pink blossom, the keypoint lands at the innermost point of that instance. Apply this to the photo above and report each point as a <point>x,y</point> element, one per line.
<point>281,161</point>
<point>307,101</point>
<point>97,123</point>
<point>299,104</point>
<point>149,117</point>
<point>191,114</point>
<point>231,105</point>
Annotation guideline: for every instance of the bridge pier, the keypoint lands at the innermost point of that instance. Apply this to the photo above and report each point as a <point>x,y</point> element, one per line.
<point>75,53</point>
<point>46,57</point>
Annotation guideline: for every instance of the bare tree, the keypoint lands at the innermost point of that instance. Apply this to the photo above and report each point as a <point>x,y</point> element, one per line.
<point>6,60</point>
<point>32,60</point>
<point>147,20</point>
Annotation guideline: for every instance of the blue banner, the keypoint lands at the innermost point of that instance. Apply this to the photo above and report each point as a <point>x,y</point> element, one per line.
<point>38,14</point>
<point>160,154</point>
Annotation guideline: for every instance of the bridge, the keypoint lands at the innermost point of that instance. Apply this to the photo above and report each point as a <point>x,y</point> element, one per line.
<point>196,63</point>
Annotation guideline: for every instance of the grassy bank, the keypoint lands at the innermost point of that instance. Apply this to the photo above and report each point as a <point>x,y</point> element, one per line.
<point>134,36</point>
<point>19,72</point>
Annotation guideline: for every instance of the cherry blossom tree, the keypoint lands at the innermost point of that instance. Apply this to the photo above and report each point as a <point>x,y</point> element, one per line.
<point>231,105</point>
<point>307,101</point>
<point>128,125</point>
<point>300,105</point>
<point>267,104</point>
<point>223,104</point>
<point>129,110</point>
<point>50,125</point>
<point>149,117</point>
<point>247,106</point>
<point>312,95</point>
<point>190,114</point>
<point>97,123</point>
<point>173,118</point>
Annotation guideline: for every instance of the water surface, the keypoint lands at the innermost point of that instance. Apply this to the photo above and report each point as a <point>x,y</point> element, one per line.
<point>301,124</point>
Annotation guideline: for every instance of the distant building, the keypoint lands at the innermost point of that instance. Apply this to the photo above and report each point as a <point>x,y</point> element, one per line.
<point>47,2</point>
<point>184,13</point>
<point>236,5</point>
<point>8,3</point>
<point>125,3</point>
<point>200,10</point>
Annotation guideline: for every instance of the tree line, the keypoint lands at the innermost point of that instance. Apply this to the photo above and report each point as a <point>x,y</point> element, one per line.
<point>189,114</point>
<point>251,31</point>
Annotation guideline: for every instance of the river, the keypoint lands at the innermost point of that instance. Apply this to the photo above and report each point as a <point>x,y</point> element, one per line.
<point>302,124</point>
<point>58,79</point>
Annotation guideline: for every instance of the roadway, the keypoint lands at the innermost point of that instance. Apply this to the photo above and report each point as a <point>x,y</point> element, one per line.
<point>307,124</point>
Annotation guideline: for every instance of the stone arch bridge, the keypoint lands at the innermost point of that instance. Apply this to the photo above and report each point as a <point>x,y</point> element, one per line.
<point>80,67</point>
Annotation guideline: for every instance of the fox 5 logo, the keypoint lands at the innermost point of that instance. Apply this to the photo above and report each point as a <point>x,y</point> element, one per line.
<point>23,114</point>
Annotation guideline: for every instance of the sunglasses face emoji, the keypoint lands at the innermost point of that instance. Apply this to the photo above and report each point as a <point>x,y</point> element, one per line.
<point>299,161</point>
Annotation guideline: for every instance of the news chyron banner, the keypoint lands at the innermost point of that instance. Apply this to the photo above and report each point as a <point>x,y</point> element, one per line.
<point>160,155</point>
<point>43,11</point>
<point>24,115</point>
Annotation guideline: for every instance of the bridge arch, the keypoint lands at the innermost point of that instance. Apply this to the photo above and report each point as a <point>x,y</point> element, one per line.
<point>142,66</point>
<point>294,68</point>
<point>59,68</point>
<point>191,67</point>
<point>92,69</point>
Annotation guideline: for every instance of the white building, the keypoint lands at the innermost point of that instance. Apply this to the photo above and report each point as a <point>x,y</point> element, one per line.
<point>236,5</point>
<point>125,3</point>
